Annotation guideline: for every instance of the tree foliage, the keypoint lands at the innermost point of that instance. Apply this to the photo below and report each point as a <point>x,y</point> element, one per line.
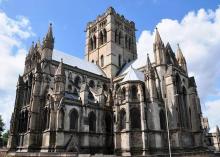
<point>2,125</point>
<point>5,137</point>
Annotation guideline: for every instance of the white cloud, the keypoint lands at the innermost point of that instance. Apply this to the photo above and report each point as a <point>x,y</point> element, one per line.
<point>199,37</point>
<point>13,32</point>
<point>212,112</point>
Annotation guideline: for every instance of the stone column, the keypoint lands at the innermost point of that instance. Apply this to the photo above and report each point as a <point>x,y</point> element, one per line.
<point>127,153</point>
<point>143,122</point>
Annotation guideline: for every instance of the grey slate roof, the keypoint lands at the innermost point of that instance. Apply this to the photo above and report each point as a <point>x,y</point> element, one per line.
<point>133,75</point>
<point>136,64</point>
<point>74,61</point>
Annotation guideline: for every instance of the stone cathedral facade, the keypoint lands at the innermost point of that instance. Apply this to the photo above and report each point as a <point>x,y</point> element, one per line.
<point>112,102</point>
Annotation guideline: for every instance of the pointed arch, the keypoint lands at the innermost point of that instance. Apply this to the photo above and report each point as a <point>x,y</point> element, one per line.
<point>46,118</point>
<point>108,123</point>
<point>123,93</point>
<point>129,43</point>
<point>77,81</point>
<point>162,120</point>
<point>134,92</point>
<point>91,84</point>
<point>75,92</point>
<point>94,42</point>
<point>135,118</point>
<point>70,88</point>
<point>126,41</point>
<point>101,38</point>
<point>105,87</point>
<point>102,60</point>
<point>90,96</point>
<point>119,37</point>
<point>104,36</point>
<point>178,84</point>
<point>74,118</point>
<point>92,121</point>
<point>116,36</point>
<point>70,76</point>
<point>91,44</point>
<point>61,115</point>
<point>122,115</point>
<point>119,60</point>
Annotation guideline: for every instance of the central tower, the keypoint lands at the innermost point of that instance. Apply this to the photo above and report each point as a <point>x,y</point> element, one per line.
<point>110,42</point>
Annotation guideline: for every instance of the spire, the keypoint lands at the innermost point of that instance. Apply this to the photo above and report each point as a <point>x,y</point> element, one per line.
<point>48,41</point>
<point>181,59</point>
<point>158,48</point>
<point>31,48</point>
<point>20,80</point>
<point>168,46</point>
<point>149,65</point>
<point>179,56</point>
<point>149,68</point>
<point>157,37</point>
<point>38,44</point>
<point>50,32</point>
<point>217,129</point>
<point>60,69</point>
<point>38,68</point>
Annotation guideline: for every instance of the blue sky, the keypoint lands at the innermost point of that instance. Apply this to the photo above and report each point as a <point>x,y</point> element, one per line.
<point>69,17</point>
<point>194,24</point>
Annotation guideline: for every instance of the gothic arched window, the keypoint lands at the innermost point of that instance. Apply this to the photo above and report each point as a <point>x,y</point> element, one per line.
<point>94,42</point>
<point>108,123</point>
<point>90,96</point>
<point>74,116</point>
<point>116,36</point>
<point>119,38</point>
<point>102,61</point>
<point>46,118</point>
<point>135,118</point>
<point>105,87</point>
<point>77,81</point>
<point>70,76</point>
<point>91,44</point>
<point>129,43</point>
<point>61,118</point>
<point>104,36</point>
<point>123,94</point>
<point>126,41</point>
<point>101,38</point>
<point>92,122</point>
<point>91,84</point>
<point>119,60</point>
<point>178,84</point>
<point>69,88</point>
<point>162,120</point>
<point>134,92</point>
<point>122,114</point>
<point>75,92</point>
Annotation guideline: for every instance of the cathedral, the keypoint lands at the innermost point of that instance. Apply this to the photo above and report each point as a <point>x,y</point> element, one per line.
<point>112,102</point>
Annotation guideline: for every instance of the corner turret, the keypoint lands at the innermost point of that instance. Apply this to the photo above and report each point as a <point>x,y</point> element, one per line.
<point>181,59</point>
<point>48,44</point>
<point>158,48</point>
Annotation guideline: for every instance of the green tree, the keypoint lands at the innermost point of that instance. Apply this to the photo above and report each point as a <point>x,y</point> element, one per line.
<point>5,138</point>
<point>2,128</point>
<point>2,125</point>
